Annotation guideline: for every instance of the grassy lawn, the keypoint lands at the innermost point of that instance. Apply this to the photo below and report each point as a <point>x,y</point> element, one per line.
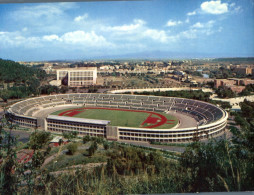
<point>121,118</point>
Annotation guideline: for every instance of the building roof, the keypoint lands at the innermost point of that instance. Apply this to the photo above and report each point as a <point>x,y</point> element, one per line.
<point>79,120</point>
<point>77,68</point>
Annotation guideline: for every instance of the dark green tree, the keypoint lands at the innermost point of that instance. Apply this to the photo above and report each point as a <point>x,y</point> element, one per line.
<point>39,139</point>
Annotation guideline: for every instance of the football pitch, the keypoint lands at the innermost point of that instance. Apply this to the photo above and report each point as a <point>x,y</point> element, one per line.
<point>123,117</point>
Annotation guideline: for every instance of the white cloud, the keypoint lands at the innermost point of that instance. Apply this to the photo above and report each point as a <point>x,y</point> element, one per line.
<point>234,8</point>
<point>214,7</point>
<point>41,10</point>
<point>16,39</point>
<point>76,38</point>
<point>191,13</point>
<point>198,30</point>
<point>209,24</point>
<point>237,9</point>
<point>137,23</point>
<point>158,35</point>
<point>82,37</point>
<point>25,29</point>
<point>189,34</point>
<point>232,5</point>
<point>42,18</point>
<point>173,23</point>
<point>81,18</point>
<point>198,25</point>
<point>89,39</point>
<point>51,38</point>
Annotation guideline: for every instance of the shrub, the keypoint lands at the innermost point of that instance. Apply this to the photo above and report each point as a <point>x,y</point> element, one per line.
<point>92,148</point>
<point>70,135</point>
<point>39,139</point>
<point>86,139</point>
<point>105,145</point>
<point>73,147</point>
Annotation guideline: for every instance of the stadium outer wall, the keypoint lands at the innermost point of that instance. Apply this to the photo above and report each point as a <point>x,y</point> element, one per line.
<point>211,120</point>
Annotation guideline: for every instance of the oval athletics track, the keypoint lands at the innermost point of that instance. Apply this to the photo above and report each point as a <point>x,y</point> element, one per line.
<point>153,120</point>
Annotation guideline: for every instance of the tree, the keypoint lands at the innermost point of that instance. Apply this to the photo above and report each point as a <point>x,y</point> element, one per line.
<point>92,148</point>
<point>105,146</point>
<point>70,135</point>
<point>92,89</point>
<point>48,89</point>
<point>224,92</point>
<point>247,109</point>
<point>39,139</point>
<point>8,159</point>
<point>5,95</point>
<point>225,105</point>
<point>13,174</point>
<point>72,148</point>
<point>86,139</point>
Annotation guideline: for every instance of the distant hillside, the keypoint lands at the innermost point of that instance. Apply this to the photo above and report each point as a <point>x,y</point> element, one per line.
<point>22,81</point>
<point>11,71</point>
<point>235,60</point>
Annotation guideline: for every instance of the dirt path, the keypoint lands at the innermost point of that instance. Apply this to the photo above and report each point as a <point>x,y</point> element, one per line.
<point>52,157</point>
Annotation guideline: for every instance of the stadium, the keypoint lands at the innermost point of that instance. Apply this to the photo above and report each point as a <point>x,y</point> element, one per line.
<point>121,116</point>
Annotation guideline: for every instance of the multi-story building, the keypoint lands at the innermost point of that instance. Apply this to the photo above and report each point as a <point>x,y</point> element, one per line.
<point>243,70</point>
<point>77,77</point>
<point>223,82</point>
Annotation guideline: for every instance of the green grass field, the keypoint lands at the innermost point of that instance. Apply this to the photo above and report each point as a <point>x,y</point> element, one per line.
<point>121,118</point>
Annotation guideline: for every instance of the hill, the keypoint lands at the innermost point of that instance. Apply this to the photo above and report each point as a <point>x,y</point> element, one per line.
<point>19,81</point>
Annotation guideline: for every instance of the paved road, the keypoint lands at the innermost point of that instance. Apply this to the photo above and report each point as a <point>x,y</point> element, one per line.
<point>22,136</point>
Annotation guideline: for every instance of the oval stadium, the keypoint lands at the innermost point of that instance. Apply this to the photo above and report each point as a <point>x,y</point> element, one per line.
<point>122,117</point>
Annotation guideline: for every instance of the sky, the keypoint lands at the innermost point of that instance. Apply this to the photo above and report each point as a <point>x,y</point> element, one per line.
<point>94,30</point>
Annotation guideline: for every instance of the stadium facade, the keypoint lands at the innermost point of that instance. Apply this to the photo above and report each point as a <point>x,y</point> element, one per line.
<point>77,77</point>
<point>211,120</point>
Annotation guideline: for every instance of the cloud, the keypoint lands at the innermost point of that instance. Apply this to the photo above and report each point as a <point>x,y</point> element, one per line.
<point>45,26</point>
<point>81,37</point>
<point>199,29</point>
<point>214,7</point>
<point>198,25</point>
<point>173,23</point>
<point>51,38</point>
<point>191,13</point>
<point>81,18</point>
<point>75,38</point>
<point>41,11</point>
<point>209,24</point>
<point>158,35</point>
<point>189,34</point>
<point>89,39</point>
<point>16,39</point>
<point>42,18</point>
<point>237,9</point>
<point>232,5</point>
<point>137,23</point>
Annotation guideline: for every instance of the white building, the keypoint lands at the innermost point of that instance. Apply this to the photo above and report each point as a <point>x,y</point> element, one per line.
<point>77,77</point>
